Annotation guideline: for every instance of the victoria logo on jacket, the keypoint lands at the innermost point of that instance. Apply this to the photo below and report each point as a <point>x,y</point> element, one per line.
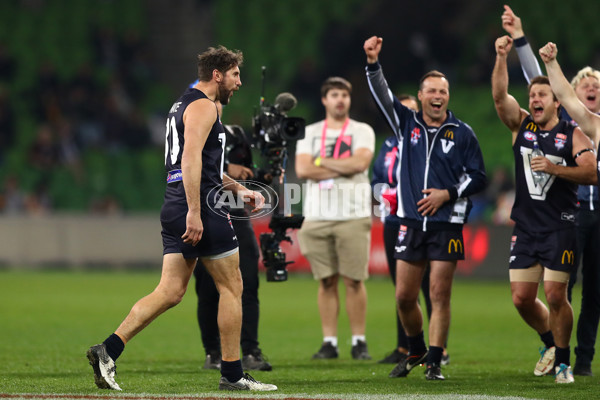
<point>447,141</point>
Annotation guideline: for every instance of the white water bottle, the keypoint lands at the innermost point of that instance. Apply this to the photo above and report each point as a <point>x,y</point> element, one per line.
<point>538,176</point>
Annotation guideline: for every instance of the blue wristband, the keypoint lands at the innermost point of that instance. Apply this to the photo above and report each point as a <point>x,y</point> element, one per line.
<point>520,42</point>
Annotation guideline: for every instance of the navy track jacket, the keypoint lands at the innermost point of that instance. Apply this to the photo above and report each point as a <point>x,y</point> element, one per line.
<point>453,160</point>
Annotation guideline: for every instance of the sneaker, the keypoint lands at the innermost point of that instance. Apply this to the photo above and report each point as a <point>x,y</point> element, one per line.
<point>445,359</point>
<point>434,373</point>
<point>393,358</point>
<point>104,367</point>
<point>563,374</point>
<point>546,362</point>
<point>256,360</point>
<point>327,350</point>
<point>582,370</point>
<point>213,360</point>
<point>406,365</point>
<point>246,383</point>
<point>359,351</point>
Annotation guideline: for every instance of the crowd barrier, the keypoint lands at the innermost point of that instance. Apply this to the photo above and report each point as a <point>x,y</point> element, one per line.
<point>85,241</point>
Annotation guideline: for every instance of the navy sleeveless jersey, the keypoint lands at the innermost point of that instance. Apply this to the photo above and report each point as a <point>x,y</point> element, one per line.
<point>212,155</point>
<point>550,205</point>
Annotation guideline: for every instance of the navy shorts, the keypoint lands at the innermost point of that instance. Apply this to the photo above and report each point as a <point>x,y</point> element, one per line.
<point>416,245</point>
<point>218,236</point>
<point>555,250</point>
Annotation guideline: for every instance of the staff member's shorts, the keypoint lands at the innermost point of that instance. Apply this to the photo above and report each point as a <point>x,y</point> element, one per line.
<point>417,245</point>
<point>337,247</point>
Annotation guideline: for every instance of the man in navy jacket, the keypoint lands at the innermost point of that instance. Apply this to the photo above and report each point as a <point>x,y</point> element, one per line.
<point>440,166</point>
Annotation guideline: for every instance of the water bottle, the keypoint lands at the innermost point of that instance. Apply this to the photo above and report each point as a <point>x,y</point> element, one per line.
<point>538,176</point>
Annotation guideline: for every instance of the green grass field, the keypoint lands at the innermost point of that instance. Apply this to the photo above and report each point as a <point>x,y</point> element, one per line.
<point>49,319</point>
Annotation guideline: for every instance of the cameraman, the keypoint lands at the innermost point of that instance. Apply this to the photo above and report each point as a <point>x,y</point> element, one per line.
<point>238,164</point>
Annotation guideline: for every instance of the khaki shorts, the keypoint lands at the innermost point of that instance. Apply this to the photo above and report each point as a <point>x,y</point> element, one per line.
<point>337,247</point>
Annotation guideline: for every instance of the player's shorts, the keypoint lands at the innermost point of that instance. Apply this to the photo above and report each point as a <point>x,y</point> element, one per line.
<point>218,236</point>
<point>337,247</point>
<point>416,245</point>
<point>555,250</point>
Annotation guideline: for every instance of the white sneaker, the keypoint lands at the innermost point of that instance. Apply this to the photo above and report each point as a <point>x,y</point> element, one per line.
<point>104,367</point>
<point>246,383</point>
<point>564,374</point>
<point>546,362</point>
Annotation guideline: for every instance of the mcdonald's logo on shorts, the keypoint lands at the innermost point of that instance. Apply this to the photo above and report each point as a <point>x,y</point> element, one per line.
<point>531,127</point>
<point>455,246</point>
<point>569,256</point>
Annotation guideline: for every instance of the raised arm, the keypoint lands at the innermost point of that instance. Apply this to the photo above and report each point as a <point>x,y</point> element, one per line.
<point>587,121</point>
<point>507,106</point>
<point>512,25</point>
<point>380,90</point>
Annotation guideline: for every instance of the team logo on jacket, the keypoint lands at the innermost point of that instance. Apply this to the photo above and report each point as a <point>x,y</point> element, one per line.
<point>530,136</point>
<point>390,157</point>
<point>401,233</point>
<point>415,135</point>
<point>448,142</point>
<point>560,140</point>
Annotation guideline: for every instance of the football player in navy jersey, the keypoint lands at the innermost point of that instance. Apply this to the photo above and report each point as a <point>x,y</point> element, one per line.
<point>239,165</point>
<point>193,224</point>
<point>586,84</point>
<point>543,241</point>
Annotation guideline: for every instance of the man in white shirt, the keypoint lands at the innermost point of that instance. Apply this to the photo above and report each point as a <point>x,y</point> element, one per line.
<point>334,158</point>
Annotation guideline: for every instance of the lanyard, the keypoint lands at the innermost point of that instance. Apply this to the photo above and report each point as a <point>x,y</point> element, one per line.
<point>338,142</point>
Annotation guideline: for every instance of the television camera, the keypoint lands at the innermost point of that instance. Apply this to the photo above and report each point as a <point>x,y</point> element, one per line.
<point>272,131</point>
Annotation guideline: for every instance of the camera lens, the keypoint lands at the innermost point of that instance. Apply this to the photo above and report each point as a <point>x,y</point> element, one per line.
<point>292,128</point>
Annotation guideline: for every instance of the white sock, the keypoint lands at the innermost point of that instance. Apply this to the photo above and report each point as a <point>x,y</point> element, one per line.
<point>331,339</point>
<point>356,338</point>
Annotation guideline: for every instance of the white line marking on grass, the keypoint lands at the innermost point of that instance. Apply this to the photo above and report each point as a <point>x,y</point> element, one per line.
<point>253,395</point>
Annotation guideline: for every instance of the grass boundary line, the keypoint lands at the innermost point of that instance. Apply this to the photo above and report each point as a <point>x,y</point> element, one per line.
<point>256,396</point>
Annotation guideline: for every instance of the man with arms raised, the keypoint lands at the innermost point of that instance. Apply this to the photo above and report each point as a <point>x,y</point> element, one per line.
<point>543,241</point>
<point>586,84</point>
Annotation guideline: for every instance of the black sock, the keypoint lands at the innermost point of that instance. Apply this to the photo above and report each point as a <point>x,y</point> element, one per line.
<point>562,356</point>
<point>232,370</point>
<point>114,346</point>
<point>416,344</point>
<point>548,339</point>
<point>435,355</point>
